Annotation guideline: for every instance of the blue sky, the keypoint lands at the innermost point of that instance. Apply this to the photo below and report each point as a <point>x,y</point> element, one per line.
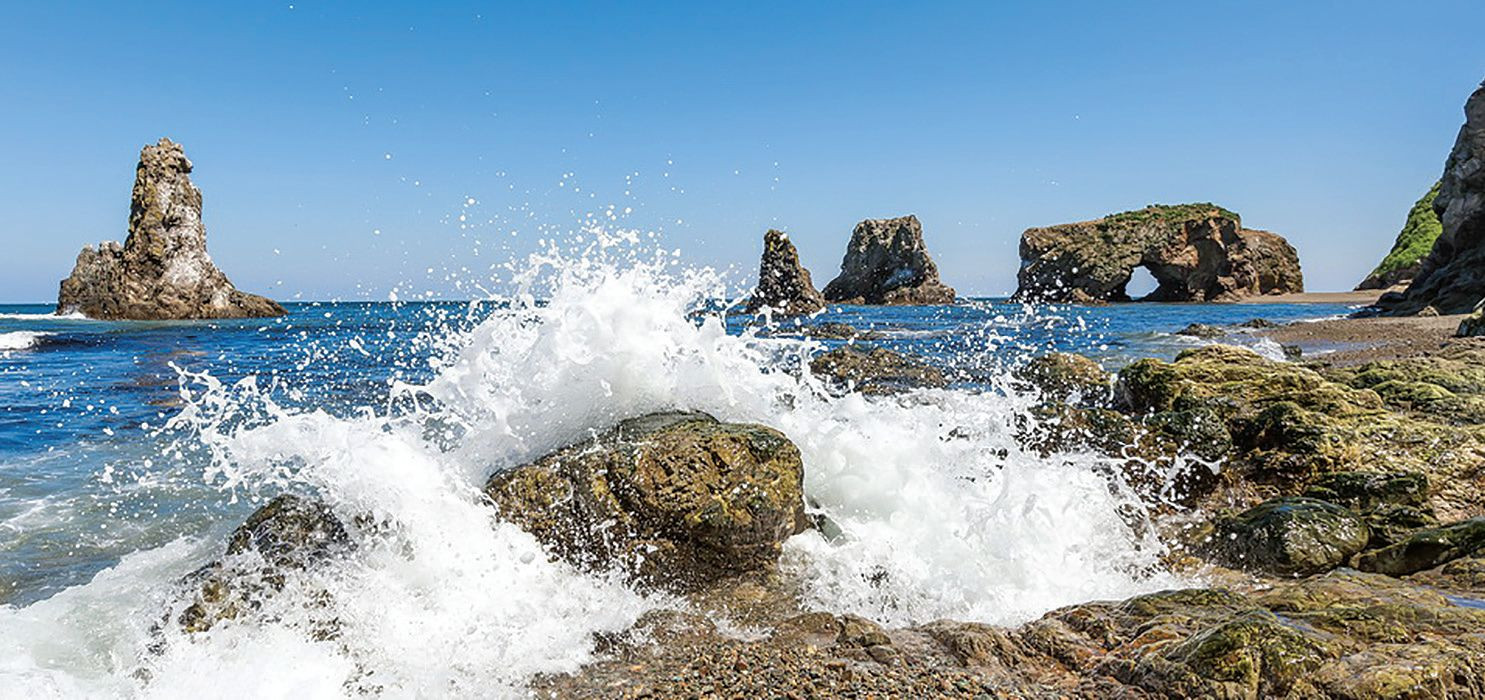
<point>339,143</point>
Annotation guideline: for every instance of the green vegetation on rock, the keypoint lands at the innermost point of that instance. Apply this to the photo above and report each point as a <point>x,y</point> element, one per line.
<point>1413,243</point>
<point>1169,213</point>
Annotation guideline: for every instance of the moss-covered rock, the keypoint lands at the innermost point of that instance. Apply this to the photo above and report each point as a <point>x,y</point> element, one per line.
<point>1062,376</point>
<point>1289,536</point>
<point>1416,238</point>
<point>875,370</point>
<point>676,500</point>
<point>1368,490</point>
<point>1425,549</point>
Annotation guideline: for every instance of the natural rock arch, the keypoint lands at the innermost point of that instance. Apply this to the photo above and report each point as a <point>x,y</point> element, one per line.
<point>1195,252</point>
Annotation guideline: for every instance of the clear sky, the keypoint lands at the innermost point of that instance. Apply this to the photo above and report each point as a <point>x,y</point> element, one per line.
<point>338,144</point>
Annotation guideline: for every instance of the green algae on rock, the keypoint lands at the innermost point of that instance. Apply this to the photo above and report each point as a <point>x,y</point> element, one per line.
<point>875,370</point>
<point>675,500</point>
<point>1062,376</point>
<point>1290,536</point>
<point>1425,549</point>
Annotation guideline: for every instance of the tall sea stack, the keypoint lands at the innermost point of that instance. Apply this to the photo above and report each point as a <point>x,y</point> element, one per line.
<point>162,271</point>
<point>887,263</point>
<point>783,283</point>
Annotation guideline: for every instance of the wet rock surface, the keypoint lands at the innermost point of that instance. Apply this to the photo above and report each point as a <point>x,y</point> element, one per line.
<point>887,262</point>
<point>162,271</point>
<point>1196,252</point>
<point>1290,536</point>
<point>875,370</point>
<point>784,285</point>
<point>674,500</point>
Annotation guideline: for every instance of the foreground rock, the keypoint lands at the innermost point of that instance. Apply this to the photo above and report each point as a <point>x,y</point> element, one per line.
<point>1451,279</point>
<point>874,370</point>
<point>162,271</point>
<point>1413,244</point>
<point>784,285</point>
<point>674,500</point>
<point>1196,252</point>
<point>1287,536</point>
<point>886,262</point>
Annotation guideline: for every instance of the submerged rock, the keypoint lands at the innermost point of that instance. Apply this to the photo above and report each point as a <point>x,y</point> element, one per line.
<point>675,500</point>
<point>886,262</point>
<point>162,270</point>
<point>1202,330</point>
<point>783,283</point>
<point>1196,252</point>
<point>1290,536</point>
<point>874,370</point>
<point>286,534</point>
<point>1451,279</point>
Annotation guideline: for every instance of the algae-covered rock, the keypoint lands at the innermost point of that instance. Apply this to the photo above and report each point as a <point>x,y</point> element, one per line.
<point>1202,330</point>
<point>1290,536</point>
<point>1368,490</point>
<point>676,500</point>
<point>1413,243</point>
<point>874,370</point>
<point>286,534</point>
<point>1064,376</point>
<point>1425,549</point>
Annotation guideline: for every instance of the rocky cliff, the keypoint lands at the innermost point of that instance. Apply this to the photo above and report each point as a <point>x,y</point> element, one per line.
<point>162,270</point>
<point>1452,278</point>
<point>1413,243</point>
<point>783,284</point>
<point>887,263</point>
<point>1196,252</point>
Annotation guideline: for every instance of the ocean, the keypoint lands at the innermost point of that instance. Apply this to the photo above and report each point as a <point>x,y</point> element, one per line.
<point>129,450</point>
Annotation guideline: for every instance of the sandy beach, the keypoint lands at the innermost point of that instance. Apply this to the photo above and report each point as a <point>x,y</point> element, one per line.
<point>1350,341</point>
<point>1352,297</point>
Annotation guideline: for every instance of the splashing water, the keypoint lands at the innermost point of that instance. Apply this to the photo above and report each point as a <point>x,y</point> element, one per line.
<point>943,514</point>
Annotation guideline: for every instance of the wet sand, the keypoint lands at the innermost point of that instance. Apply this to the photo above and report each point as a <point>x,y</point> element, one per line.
<point>1361,297</point>
<point>1351,341</point>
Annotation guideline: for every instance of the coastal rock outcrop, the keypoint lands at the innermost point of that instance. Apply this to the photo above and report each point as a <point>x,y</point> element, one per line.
<point>162,271</point>
<point>886,262</point>
<point>783,283</point>
<point>1451,279</point>
<point>875,370</point>
<point>1196,252</point>
<point>1413,243</point>
<point>674,500</point>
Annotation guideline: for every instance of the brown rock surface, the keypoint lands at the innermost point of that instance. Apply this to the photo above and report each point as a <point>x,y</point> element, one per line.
<point>162,271</point>
<point>887,263</point>
<point>783,284</point>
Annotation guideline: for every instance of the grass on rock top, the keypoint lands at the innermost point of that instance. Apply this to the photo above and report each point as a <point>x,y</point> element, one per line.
<point>1169,213</point>
<point>1417,236</point>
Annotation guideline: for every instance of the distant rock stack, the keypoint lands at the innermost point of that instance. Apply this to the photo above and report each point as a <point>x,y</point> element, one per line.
<point>162,271</point>
<point>887,263</point>
<point>1196,252</point>
<point>1413,244</point>
<point>1451,279</point>
<point>783,284</point>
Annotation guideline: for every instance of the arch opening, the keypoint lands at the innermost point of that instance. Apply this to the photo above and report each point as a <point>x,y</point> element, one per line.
<point>1141,284</point>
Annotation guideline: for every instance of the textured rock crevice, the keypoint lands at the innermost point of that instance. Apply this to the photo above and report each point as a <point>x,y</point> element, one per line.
<point>887,262</point>
<point>162,271</point>
<point>1196,252</point>
<point>1452,278</point>
<point>783,283</point>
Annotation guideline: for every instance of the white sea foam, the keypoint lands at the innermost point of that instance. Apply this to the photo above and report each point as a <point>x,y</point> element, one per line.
<point>20,340</point>
<point>943,514</point>
<point>73,316</point>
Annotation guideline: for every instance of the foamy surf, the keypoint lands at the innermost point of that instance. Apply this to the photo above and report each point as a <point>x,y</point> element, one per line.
<point>942,513</point>
<point>21,340</point>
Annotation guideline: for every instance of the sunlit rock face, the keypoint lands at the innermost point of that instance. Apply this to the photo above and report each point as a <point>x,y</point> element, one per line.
<point>1196,252</point>
<point>1452,278</point>
<point>784,285</point>
<point>162,270</point>
<point>887,263</point>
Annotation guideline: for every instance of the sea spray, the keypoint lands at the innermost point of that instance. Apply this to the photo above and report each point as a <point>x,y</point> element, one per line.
<point>941,512</point>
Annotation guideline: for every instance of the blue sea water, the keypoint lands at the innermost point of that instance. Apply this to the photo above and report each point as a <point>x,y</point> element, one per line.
<point>81,401</point>
<point>129,450</point>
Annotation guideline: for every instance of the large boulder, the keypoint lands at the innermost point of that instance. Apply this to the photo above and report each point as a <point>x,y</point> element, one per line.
<point>1196,252</point>
<point>1452,278</point>
<point>887,263</point>
<point>784,285</point>
<point>674,500</point>
<point>1290,536</point>
<point>162,270</point>
<point>1413,243</point>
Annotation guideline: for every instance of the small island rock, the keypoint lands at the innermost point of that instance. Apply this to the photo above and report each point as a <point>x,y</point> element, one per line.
<point>887,263</point>
<point>783,283</point>
<point>162,271</point>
